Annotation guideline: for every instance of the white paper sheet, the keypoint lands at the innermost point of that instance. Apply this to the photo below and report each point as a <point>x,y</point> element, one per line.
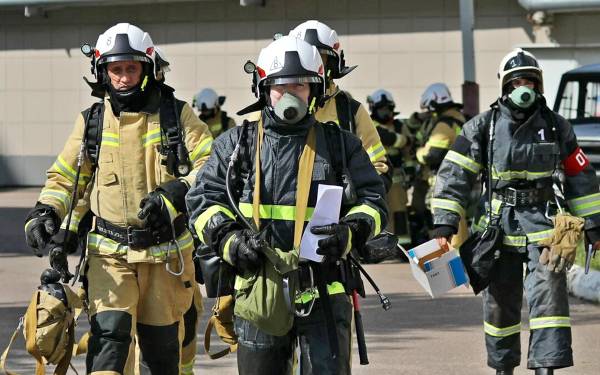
<point>327,211</point>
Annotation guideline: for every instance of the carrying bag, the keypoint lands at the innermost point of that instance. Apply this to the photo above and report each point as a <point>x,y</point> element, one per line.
<point>221,321</point>
<point>481,250</point>
<point>49,329</point>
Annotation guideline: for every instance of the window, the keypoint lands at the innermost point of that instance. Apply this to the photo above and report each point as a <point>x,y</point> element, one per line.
<point>592,99</point>
<point>569,100</point>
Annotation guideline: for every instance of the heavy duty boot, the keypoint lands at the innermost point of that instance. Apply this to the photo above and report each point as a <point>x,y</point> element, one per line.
<point>505,372</point>
<point>544,371</point>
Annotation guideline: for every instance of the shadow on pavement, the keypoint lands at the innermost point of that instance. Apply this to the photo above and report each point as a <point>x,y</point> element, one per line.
<point>12,237</point>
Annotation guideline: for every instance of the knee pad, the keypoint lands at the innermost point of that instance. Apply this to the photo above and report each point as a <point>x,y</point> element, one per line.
<point>109,341</point>
<point>159,347</point>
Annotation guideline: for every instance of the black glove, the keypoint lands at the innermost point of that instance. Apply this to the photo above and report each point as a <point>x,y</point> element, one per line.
<point>161,206</point>
<point>445,231</point>
<point>337,244</point>
<point>242,250</point>
<point>58,262</point>
<point>41,224</point>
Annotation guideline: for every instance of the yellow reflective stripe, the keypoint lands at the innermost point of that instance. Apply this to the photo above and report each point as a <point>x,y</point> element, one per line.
<point>57,195</point>
<point>335,287</point>
<point>105,245</point>
<point>226,254</point>
<point>444,144</point>
<point>447,204</point>
<point>274,211</point>
<point>65,170</point>
<point>586,205</point>
<point>520,175</point>
<point>188,368</point>
<point>463,161</point>
<point>501,332</point>
<point>369,211</point>
<point>376,152</point>
<point>496,206</point>
<point>404,240</point>
<point>517,241</point>
<point>550,322</point>
<point>110,139</point>
<point>206,215</point>
<point>27,224</point>
<point>74,225</point>
<point>170,208</point>
<point>153,136</point>
<point>202,149</point>
<point>539,236</point>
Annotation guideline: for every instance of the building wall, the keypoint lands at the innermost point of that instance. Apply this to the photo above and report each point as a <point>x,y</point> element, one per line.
<point>399,45</point>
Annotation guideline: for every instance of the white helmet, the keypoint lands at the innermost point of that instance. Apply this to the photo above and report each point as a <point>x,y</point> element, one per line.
<point>162,64</point>
<point>327,42</point>
<point>124,42</point>
<point>519,64</point>
<point>434,95</point>
<point>379,98</point>
<point>208,99</point>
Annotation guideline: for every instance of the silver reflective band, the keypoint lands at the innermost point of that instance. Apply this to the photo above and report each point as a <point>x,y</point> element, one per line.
<point>108,59</point>
<point>285,80</point>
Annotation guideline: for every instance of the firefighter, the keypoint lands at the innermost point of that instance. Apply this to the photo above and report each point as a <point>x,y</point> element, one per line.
<point>339,106</point>
<point>395,136</point>
<point>143,149</point>
<point>209,104</point>
<point>534,152</point>
<point>283,157</point>
<point>440,131</point>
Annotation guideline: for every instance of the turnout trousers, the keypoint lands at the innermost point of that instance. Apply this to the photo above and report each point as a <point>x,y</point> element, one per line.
<point>260,353</point>
<point>140,300</point>
<point>549,322</point>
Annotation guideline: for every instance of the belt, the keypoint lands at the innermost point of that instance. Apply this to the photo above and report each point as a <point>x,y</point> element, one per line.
<point>139,238</point>
<point>523,197</point>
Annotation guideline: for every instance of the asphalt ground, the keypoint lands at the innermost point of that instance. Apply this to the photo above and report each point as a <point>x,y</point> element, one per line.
<point>418,335</point>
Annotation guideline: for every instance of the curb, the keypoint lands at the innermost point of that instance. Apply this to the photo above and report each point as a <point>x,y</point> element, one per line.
<point>584,286</point>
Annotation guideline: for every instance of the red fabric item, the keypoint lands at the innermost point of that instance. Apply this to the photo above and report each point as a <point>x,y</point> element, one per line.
<point>576,162</point>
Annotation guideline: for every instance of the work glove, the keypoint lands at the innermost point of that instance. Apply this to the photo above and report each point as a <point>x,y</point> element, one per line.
<point>41,224</point>
<point>443,234</point>
<point>338,242</point>
<point>160,207</point>
<point>560,249</point>
<point>241,249</point>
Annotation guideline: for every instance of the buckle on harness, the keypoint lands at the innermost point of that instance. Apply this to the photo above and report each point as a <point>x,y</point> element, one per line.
<point>129,238</point>
<point>510,196</point>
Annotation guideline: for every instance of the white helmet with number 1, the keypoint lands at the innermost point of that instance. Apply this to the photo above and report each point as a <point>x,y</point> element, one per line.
<point>519,64</point>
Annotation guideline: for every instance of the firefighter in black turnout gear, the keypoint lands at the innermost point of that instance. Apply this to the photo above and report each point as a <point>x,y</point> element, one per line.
<point>532,150</point>
<point>281,302</point>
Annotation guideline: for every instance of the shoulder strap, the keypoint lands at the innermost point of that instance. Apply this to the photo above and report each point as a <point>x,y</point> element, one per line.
<point>170,112</point>
<point>334,140</point>
<point>224,121</point>
<point>346,108</point>
<point>94,118</point>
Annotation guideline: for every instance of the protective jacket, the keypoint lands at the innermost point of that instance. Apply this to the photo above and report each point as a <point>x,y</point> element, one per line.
<point>363,125</point>
<point>219,123</point>
<point>129,167</point>
<point>212,217</point>
<point>526,154</point>
<point>439,135</point>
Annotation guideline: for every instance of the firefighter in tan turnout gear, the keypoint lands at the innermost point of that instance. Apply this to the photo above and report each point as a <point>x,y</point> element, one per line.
<point>440,133</point>
<point>339,106</point>
<point>142,149</point>
<point>533,154</point>
<point>395,136</point>
<point>209,104</point>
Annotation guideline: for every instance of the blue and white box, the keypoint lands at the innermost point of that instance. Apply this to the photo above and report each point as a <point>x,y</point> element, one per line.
<point>439,275</point>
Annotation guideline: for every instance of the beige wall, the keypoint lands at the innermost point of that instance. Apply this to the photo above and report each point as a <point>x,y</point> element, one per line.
<point>399,45</point>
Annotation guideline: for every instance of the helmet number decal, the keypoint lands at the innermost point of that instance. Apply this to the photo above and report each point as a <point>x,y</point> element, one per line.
<point>576,162</point>
<point>542,134</point>
<point>109,40</point>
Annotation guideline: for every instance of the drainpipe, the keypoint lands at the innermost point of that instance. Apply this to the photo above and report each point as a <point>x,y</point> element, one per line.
<point>470,89</point>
